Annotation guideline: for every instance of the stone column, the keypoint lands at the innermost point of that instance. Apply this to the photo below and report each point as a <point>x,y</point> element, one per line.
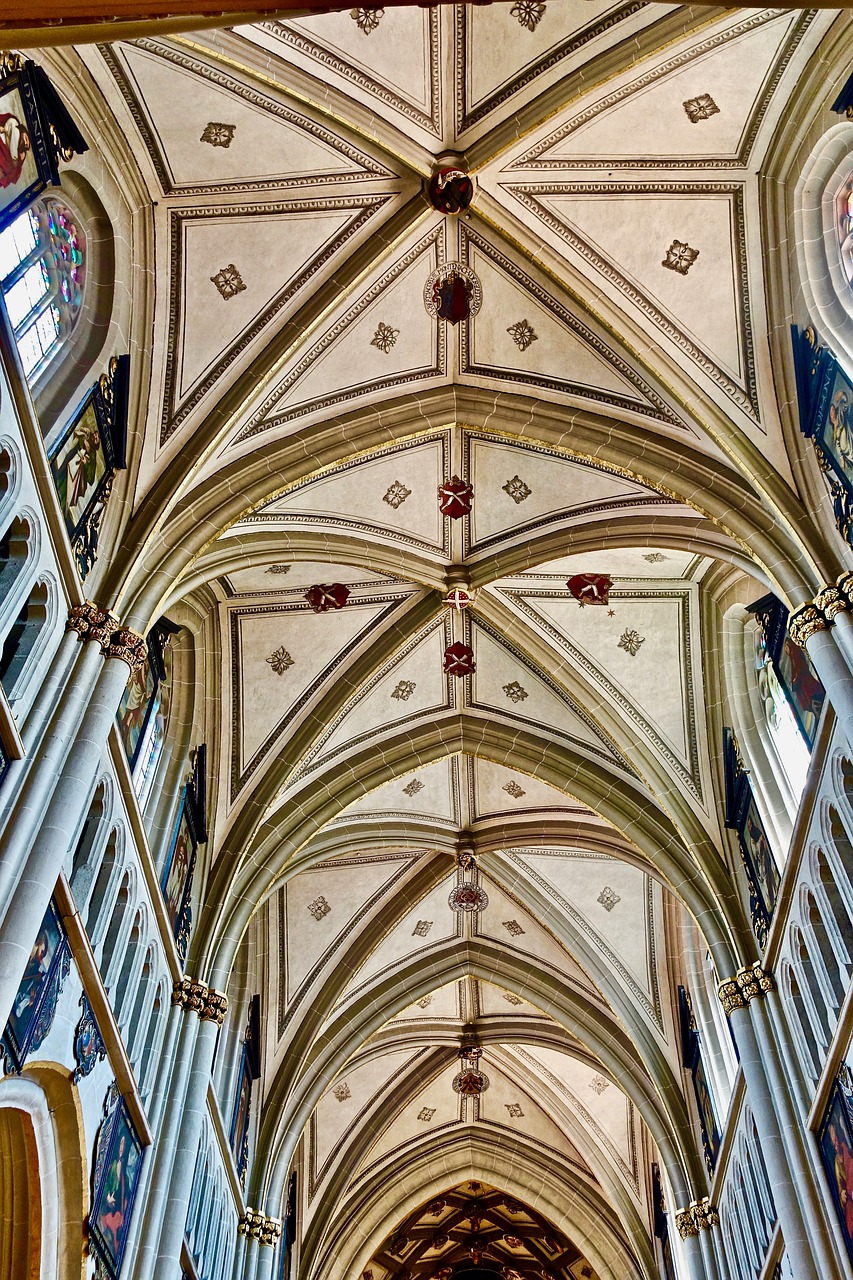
<point>238,1267</point>
<point>824,629</point>
<point>210,1005</point>
<point>60,705</point>
<point>123,650</point>
<point>688,1229</point>
<point>270,1236</point>
<point>805,1249</point>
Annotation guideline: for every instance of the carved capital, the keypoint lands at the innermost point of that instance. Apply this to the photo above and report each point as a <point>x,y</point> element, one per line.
<point>270,1231</point>
<point>250,1223</point>
<point>754,982</point>
<point>91,623</point>
<point>844,582</point>
<point>731,996</point>
<point>831,601</point>
<point>685,1222</point>
<point>215,1007</point>
<point>190,995</point>
<point>806,622</point>
<point>128,645</point>
<point>704,1214</point>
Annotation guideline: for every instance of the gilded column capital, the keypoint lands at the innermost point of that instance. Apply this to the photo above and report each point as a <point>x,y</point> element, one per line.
<point>751,983</point>
<point>806,622</point>
<point>250,1223</point>
<point>844,582</point>
<point>831,601</point>
<point>127,645</point>
<point>191,996</point>
<point>705,1214</point>
<point>215,1007</point>
<point>270,1231</point>
<point>731,996</point>
<point>686,1223</point>
<point>91,623</point>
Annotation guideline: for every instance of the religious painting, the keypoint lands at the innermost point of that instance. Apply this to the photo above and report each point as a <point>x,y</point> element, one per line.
<point>143,713</point>
<point>32,1011</point>
<point>836,1148</point>
<point>134,707</point>
<point>705,1103</point>
<point>803,692</point>
<point>240,1120</point>
<point>27,161</point>
<point>176,881</point>
<point>117,1168</point>
<point>825,398</point>
<point>758,856</point>
<point>833,428</point>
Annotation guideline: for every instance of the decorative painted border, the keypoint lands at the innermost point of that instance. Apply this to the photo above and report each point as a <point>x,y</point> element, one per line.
<point>630,1171</point>
<point>657,408</point>
<point>299,40</point>
<point>238,779</point>
<point>611,753</point>
<point>465,119</point>
<point>367,167</point>
<point>287,1008</point>
<point>363,208</point>
<point>531,159</point>
<point>689,773</point>
<point>259,422</point>
<point>526,194</point>
<point>310,762</point>
<point>471,437</point>
<point>649,1001</point>
<point>264,516</point>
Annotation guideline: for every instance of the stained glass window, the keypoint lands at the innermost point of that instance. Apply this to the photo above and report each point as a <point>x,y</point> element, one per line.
<point>844,225</point>
<point>43,278</point>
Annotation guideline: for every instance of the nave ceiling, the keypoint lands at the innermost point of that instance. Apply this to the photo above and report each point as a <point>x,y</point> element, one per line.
<point>613,405</point>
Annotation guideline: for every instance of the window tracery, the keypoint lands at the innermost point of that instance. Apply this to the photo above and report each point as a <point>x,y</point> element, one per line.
<point>43,279</point>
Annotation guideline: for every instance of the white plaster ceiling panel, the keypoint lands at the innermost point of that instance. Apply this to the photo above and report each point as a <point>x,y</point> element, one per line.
<point>381,339</point>
<point>496,793</point>
<point>249,242</point>
<point>343,1105</point>
<point>323,903</point>
<point>613,906</point>
<point>393,68</point>
<point>362,496</point>
<point>558,487</point>
<point>429,922</point>
<point>435,1102</point>
<point>264,142</point>
<point>624,232</point>
<point>502,683</point>
<point>505,1098</point>
<point>497,1002</point>
<point>507,922</point>
<point>405,688</point>
<point>508,53</point>
<point>642,657</point>
<point>524,333</point>
<point>731,66</point>
<point>428,792</point>
<point>442,1005</point>
<point>606,1114</point>
<point>281,655</point>
<point>288,575</point>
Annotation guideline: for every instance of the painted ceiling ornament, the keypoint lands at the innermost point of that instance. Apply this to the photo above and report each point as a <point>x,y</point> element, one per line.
<point>457,600</point>
<point>325,596</point>
<point>450,190</point>
<point>455,497</point>
<point>590,588</point>
<point>453,293</point>
<point>471,1081</point>
<point>459,659</point>
<point>467,895</point>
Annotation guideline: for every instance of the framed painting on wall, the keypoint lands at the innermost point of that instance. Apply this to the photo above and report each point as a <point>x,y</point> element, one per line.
<point>835,1139</point>
<point>177,877</point>
<point>118,1163</point>
<point>27,154</point>
<point>32,1011</point>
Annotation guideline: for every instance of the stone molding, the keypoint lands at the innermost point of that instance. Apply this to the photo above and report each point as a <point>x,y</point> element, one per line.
<point>255,1224</point>
<point>197,997</point>
<point>752,983</point>
<point>699,1215</point>
<point>820,614</point>
<point>102,626</point>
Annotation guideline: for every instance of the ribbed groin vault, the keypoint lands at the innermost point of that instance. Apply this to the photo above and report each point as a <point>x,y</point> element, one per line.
<point>462,886</point>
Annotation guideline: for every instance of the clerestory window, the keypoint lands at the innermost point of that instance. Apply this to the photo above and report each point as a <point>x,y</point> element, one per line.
<point>43,278</point>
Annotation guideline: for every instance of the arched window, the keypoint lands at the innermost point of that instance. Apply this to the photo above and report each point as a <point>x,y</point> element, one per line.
<point>43,277</point>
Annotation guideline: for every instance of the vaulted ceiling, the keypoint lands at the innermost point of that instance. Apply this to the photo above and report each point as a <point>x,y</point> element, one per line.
<point>612,404</point>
